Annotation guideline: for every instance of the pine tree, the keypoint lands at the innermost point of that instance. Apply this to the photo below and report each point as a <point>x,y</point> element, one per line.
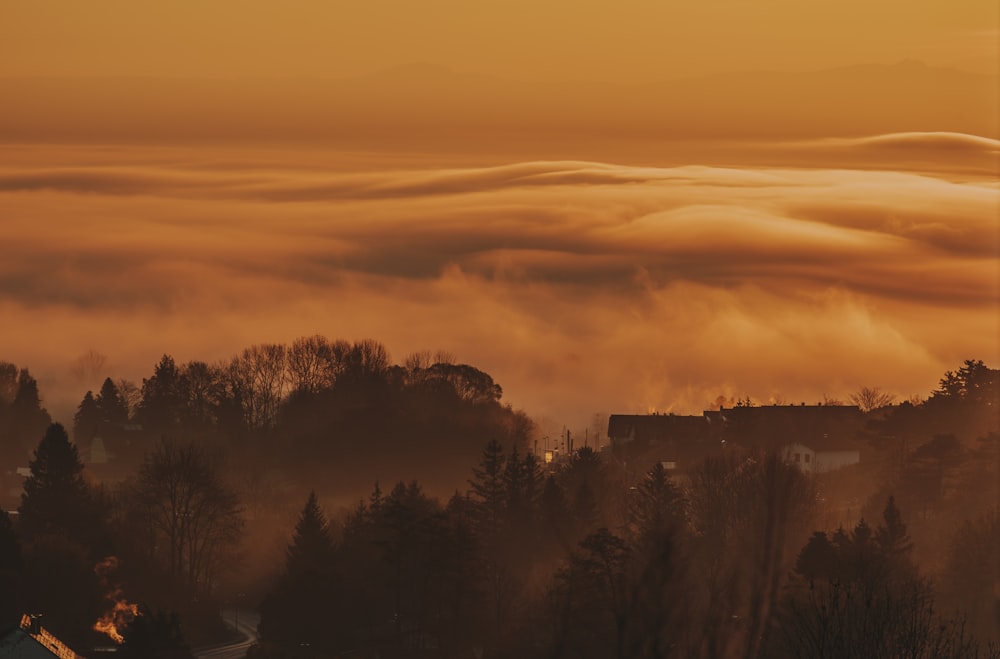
<point>112,408</point>
<point>87,419</point>
<point>311,550</point>
<point>162,402</point>
<point>28,418</point>
<point>298,612</point>
<point>56,499</point>
<point>891,536</point>
<point>488,488</point>
<point>657,505</point>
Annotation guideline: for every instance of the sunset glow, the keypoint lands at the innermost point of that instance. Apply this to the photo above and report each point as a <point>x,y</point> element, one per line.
<point>643,209</point>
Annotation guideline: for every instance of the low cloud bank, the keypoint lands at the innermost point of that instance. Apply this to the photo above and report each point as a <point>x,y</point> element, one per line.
<point>581,286</point>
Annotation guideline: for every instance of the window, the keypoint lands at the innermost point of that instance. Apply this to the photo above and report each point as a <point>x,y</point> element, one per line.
<point>798,457</point>
<point>806,458</point>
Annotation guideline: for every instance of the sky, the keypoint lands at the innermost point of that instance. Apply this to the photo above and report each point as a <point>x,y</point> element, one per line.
<point>539,39</point>
<point>609,207</point>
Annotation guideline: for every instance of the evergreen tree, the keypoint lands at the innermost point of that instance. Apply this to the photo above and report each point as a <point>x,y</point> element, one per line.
<point>656,505</point>
<point>111,405</point>
<point>162,404</point>
<point>311,551</point>
<point>891,537</point>
<point>154,636</point>
<point>26,419</point>
<point>87,419</point>
<point>299,611</point>
<point>488,488</point>
<point>56,499</point>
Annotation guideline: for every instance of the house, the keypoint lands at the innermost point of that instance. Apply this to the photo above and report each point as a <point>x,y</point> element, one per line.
<point>823,432</point>
<point>820,457</point>
<point>30,640</point>
<point>679,441</point>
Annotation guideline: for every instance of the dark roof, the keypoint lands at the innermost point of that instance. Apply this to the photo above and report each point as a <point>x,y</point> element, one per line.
<point>649,428</point>
<point>766,427</point>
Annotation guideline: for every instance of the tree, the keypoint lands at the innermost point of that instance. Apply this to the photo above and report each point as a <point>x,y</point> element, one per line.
<point>972,573</point>
<point>162,405</point>
<point>87,419</point>
<point>864,598</point>
<point>973,382</point>
<point>298,610</point>
<point>111,406</point>
<point>891,535</point>
<point>655,506</point>
<point>257,378</point>
<point>56,499</point>
<point>26,418</point>
<point>749,515</point>
<point>314,363</point>
<point>193,516</point>
<point>311,551</point>
<point>154,636</point>
<point>871,398</point>
<point>487,487</point>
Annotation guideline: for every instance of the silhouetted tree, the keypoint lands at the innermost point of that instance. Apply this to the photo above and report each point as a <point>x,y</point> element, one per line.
<point>487,488</point>
<point>750,515</point>
<point>871,398</point>
<point>87,419</point>
<point>111,407</point>
<point>193,516</point>
<point>257,378</point>
<point>311,550</point>
<point>300,610</point>
<point>154,636</point>
<point>162,406</point>
<point>864,598</point>
<point>972,572</point>
<point>56,499</point>
<point>22,418</point>
<point>655,506</point>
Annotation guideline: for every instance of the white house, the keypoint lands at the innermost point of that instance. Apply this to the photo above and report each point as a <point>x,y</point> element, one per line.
<point>817,458</point>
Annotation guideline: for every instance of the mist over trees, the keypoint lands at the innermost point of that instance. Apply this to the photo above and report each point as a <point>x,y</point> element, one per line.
<point>208,485</point>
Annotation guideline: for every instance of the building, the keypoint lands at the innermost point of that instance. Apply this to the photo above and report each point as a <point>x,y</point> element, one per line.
<point>823,432</point>
<point>820,457</point>
<point>30,640</point>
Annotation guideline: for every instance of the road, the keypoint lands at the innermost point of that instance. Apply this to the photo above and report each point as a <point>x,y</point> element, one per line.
<point>246,625</point>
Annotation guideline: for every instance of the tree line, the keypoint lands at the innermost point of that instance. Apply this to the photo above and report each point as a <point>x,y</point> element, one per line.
<point>724,564</point>
<point>590,557</point>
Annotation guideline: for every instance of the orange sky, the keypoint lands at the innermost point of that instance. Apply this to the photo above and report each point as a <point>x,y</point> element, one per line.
<point>512,183</point>
<point>537,39</point>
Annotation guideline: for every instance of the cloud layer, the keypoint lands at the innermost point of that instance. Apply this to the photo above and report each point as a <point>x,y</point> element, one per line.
<point>581,286</point>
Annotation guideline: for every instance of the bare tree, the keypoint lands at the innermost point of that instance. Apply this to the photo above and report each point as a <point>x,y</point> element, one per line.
<point>130,393</point>
<point>258,378</point>
<point>871,398</point>
<point>313,363</point>
<point>194,517</point>
<point>89,367</point>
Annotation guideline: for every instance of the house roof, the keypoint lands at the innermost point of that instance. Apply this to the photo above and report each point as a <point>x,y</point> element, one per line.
<point>30,641</point>
<point>656,427</point>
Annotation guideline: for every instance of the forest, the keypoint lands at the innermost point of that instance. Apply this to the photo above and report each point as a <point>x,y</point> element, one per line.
<point>370,509</point>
